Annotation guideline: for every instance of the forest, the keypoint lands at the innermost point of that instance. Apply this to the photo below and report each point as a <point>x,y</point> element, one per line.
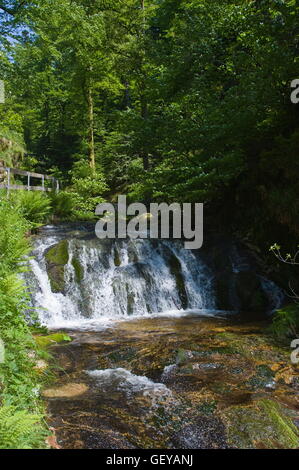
<point>176,101</point>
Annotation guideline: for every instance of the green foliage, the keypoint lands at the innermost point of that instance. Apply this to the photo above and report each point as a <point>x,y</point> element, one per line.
<point>35,207</point>
<point>19,380</point>
<point>46,341</point>
<point>178,101</point>
<point>285,323</point>
<point>62,205</point>
<point>87,189</point>
<point>13,244</point>
<point>20,430</point>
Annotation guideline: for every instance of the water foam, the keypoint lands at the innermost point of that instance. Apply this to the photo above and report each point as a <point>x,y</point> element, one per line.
<point>123,380</point>
<point>122,280</point>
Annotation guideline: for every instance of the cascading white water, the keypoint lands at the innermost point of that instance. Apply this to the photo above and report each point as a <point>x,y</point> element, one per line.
<point>120,279</point>
<point>108,280</point>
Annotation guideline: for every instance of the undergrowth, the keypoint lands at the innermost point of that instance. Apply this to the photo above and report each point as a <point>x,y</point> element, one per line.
<point>21,410</point>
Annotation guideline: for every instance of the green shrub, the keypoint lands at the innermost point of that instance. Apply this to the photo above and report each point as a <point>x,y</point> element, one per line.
<point>20,430</point>
<point>62,204</point>
<point>19,380</point>
<point>285,323</point>
<point>35,207</point>
<point>13,244</point>
<point>87,189</point>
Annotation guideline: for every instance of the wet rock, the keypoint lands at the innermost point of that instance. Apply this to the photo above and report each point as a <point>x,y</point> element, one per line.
<point>176,271</point>
<point>183,356</point>
<point>56,258</point>
<point>250,293</point>
<point>205,433</point>
<point>55,338</point>
<point>263,424</point>
<point>66,391</point>
<point>204,407</point>
<point>105,439</point>
<point>79,270</point>
<point>263,378</point>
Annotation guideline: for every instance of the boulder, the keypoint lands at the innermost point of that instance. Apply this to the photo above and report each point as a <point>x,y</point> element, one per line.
<point>56,258</point>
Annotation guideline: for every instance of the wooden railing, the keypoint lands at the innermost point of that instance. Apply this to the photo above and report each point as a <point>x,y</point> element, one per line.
<point>8,172</point>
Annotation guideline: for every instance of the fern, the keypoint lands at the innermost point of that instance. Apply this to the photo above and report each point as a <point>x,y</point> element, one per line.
<point>286,322</point>
<point>34,207</point>
<point>20,430</point>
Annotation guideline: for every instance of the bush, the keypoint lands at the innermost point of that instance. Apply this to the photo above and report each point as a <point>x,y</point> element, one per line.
<point>13,244</point>
<point>286,322</point>
<point>87,189</point>
<point>35,207</point>
<point>19,380</point>
<point>62,204</point>
<point>20,430</point>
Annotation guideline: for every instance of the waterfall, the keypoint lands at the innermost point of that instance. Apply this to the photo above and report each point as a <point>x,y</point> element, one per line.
<point>120,279</point>
<point>108,280</point>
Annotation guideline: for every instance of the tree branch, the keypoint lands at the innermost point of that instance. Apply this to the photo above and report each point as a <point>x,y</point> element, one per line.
<point>12,11</point>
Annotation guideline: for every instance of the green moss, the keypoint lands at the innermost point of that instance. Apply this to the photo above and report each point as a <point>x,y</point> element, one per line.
<point>79,271</point>
<point>207,407</point>
<point>46,341</point>
<point>261,425</point>
<point>125,355</point>
<point>182,357</point>
<point>262,377</point>
<point>56,258</point>
<point>117,260</point>
<point>58,254</point>
<point>224,350</point>
<point>284,425</point>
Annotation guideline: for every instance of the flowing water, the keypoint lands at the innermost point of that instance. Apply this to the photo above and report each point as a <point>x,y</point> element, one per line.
<point>120,279</point>
<point>152,363</point>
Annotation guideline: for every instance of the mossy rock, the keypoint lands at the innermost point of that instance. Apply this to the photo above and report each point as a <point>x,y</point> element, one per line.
<point>79,270</point>
<point>56,258</point>
<point>176,271</point>
<point>183,357</point>
<point>264,375</point>
<point>117,259</point>
<point>46,341</point>
<point>207,407</point>
<point>121,356</point>
<point>264,424</point>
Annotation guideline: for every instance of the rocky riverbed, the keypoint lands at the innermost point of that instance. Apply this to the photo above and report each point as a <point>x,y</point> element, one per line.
<point>174,382</point>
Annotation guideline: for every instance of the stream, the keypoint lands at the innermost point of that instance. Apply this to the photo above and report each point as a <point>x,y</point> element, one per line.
<point>163,354</point>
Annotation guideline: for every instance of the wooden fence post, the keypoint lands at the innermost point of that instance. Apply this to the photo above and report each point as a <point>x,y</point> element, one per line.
<point>6,183</point>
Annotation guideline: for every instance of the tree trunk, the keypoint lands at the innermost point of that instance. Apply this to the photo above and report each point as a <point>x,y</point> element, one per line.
<point>144,115</point>
<point>92,159</point>
<point>143,100</point>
